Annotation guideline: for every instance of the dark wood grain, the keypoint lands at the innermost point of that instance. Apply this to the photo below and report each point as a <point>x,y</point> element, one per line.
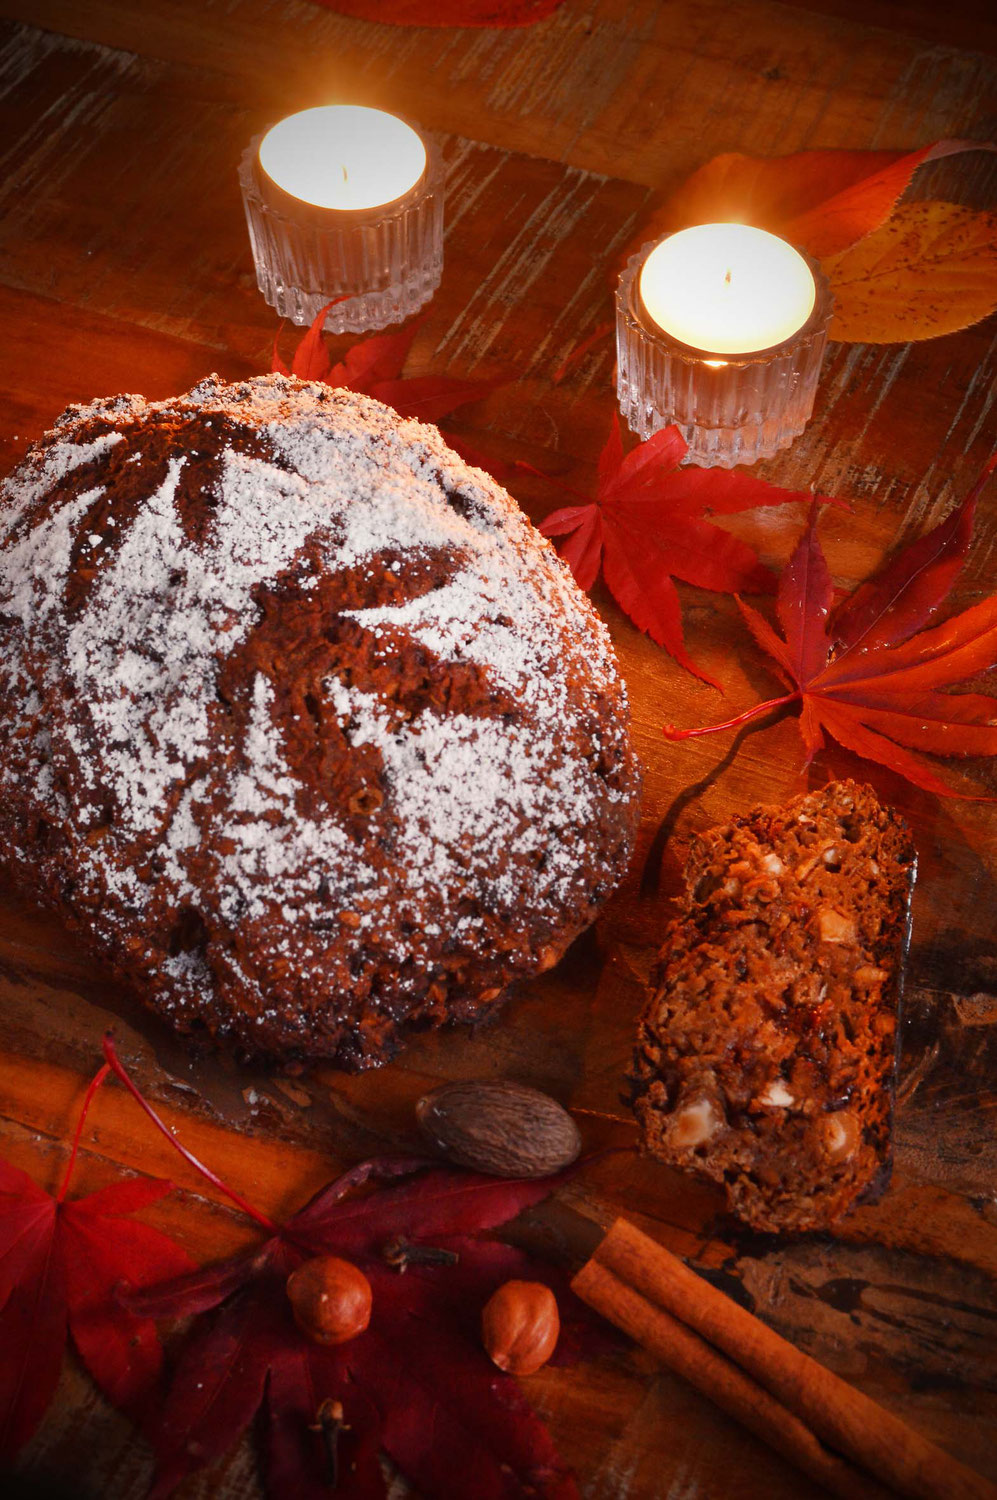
<point>124,265</point>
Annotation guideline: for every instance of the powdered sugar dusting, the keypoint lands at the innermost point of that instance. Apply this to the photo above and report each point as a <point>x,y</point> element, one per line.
<point>120,728</point>
<point>38,475</point>
<point>460,782</point>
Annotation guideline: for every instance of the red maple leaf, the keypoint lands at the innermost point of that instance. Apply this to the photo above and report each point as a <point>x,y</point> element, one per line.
<point>373,368</point>
<point>648,524</point>
<point>415,1385</point>
<point>868,673</point>
<point>62,1265</point>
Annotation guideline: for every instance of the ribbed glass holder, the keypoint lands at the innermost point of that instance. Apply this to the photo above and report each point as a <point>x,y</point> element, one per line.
<point>386,261</point>
<point>731,409</point>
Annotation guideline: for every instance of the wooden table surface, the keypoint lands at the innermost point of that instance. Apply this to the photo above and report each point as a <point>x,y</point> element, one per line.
<point>124,265</point>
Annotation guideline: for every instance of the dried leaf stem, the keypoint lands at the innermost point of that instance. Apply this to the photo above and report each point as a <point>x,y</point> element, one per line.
<point>118,1068</point>
<point>95,1084</point>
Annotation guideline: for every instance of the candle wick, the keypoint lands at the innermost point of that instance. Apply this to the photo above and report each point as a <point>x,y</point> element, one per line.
<point>346,179</point>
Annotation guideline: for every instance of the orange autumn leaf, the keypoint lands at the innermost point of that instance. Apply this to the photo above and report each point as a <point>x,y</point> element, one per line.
<point>929,270</point>
<point>823,201</point>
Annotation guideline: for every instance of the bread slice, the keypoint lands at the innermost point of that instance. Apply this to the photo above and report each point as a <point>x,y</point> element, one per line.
<point>766,1054</point>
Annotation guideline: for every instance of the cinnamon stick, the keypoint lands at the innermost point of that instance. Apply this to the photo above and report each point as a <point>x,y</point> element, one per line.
<point>722,1381</point>
<point>849,1422</point>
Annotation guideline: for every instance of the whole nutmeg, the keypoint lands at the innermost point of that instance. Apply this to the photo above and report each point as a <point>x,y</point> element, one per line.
<point>505,1129</point>
<point>330,1299</point>
<point>520,1325</point>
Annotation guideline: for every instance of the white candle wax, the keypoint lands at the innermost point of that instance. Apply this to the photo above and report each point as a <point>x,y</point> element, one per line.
<point>727,288</point>
<point>343,156</point>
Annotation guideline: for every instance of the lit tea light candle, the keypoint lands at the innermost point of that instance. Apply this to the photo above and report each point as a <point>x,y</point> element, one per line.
<point>345,205</point>
<point>343,156</point>
<point>721,331</point>
<point>727,288</point>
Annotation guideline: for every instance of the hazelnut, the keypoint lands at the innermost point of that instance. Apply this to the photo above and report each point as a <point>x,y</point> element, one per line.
<point>835,928</point>
<point>869,974</point>
<point>840,1135</point>
<point>330,1299</point>
<point>520,1325</point>
<point>777,1094</point>
<point>696,1122</point>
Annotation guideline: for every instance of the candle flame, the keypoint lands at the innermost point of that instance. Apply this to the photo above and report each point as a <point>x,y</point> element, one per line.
<point>727,277</point>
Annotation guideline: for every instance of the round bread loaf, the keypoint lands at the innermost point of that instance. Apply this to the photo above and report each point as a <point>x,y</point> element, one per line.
<point>301,721</point>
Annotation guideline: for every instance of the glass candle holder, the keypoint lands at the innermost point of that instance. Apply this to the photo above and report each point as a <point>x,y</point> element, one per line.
<point>730,408</point>
<point>384,262</point>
